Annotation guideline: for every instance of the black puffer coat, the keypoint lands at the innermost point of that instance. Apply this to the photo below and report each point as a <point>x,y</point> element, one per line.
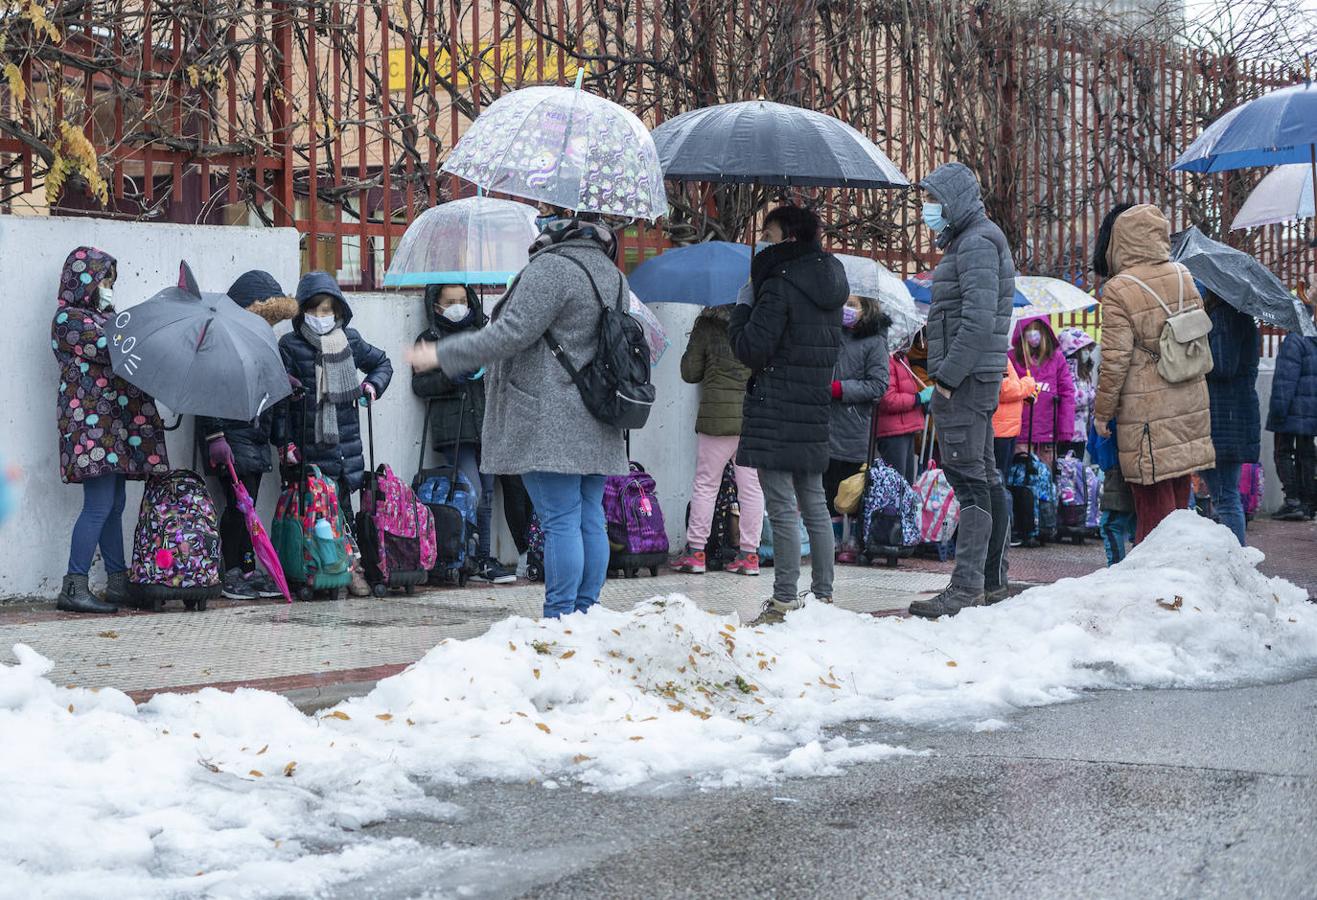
<point>1232,386</point>
<point>347,460</point>
<point>454,404</point>
<point>789,338</point>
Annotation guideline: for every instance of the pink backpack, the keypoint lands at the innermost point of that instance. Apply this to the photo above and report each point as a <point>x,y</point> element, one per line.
<point>395,530</point>
<point>1250,488</point>
<point>939,510</point>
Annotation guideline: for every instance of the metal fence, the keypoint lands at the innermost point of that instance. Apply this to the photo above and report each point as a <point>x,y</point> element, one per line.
<point>334,116</point>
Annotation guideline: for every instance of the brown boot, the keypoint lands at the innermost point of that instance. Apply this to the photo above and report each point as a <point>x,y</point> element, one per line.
<point>359,587</point>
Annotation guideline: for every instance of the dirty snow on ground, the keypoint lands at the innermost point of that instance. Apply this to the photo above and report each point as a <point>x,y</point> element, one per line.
<point>238,794</point>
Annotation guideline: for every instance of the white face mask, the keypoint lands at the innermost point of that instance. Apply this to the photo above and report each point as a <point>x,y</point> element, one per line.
<point>457,312</point>
<point>322,324</point>
<point>105,297</point>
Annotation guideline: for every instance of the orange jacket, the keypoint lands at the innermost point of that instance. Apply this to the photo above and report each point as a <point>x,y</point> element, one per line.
<point>1010,403</point>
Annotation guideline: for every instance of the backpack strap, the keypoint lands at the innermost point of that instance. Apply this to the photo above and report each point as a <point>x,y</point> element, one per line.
<point>1181,271</point>
<point>554,346</point>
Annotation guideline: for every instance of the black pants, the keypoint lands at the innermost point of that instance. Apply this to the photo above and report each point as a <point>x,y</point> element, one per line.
<point>1004,450</point>
<point>235,542</point>
<point>898,451</point>
<point>1296,467</point>
<point>517,509</point>
<point>344,490</point>
<point>838,471</point>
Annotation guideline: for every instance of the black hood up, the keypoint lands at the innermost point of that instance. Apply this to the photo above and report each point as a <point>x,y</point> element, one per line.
<point>314,283</point>
<point>802,264</point>
<point>438,325</point>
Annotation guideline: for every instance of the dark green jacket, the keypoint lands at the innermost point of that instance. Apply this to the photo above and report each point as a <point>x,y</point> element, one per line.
<point>455,402</point>
<point>708,362</point>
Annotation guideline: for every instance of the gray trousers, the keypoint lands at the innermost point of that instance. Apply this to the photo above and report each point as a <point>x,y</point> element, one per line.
<point>964,433</point>
<point>784,494</point>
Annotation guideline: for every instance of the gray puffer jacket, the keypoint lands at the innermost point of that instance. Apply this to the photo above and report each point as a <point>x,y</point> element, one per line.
<point>535,420</point>
<point>973,285</point>
<point>862,369</point>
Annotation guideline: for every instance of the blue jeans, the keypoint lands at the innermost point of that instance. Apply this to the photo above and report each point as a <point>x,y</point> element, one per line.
<point>571,511</point>
<point>1117,529</point>
<point>100,522</point>
<point>468,463</point>
<point>1223,482</point>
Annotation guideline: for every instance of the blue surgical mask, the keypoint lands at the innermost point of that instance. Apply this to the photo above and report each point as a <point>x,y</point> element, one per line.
<point>933,218</point>
<point>849,316</point>
<point>543,222</point>
<point>761,246</point>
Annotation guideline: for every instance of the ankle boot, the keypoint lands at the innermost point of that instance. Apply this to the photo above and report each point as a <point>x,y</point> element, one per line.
<point>75,597</point>
<point>116,589</point>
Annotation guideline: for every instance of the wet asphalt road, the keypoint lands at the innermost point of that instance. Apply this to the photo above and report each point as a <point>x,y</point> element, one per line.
<point>1145,794</point>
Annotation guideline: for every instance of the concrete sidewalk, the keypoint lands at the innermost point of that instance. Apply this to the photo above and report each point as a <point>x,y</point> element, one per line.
<point>316,653</point>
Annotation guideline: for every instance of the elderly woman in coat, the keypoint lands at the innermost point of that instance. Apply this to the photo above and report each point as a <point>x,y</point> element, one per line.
<point>536,424</point>
<point>1164,430</point>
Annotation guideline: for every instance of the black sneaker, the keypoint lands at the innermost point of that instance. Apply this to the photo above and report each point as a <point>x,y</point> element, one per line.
<point>263,585</point>
<point>948,603</point>
<point>490,571</point>
<point>238,587</point>
<point>1292,511</point>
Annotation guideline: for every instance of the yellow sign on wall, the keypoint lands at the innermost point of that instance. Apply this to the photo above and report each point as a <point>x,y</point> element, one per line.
<point>480,62</point>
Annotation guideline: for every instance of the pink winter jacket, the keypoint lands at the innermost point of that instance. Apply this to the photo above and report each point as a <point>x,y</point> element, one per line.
<point>1056,391</point>
<point>898,412</point>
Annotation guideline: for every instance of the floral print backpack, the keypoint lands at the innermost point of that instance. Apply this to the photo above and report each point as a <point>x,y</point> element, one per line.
<point>176,548</point>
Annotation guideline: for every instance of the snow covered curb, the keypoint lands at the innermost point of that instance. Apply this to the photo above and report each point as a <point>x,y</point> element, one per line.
<point>111,799</point>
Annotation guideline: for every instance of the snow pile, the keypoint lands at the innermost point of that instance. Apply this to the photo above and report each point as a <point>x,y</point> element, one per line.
<point>229,793</point>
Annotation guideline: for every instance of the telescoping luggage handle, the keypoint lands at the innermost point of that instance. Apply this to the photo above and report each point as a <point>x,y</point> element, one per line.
<point>370,441</point>
<point>457,439</point>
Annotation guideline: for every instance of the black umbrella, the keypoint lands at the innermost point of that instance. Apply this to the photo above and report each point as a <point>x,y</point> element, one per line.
<point>758,142</point>
<point>1241,281</point>
<point>199,354</point>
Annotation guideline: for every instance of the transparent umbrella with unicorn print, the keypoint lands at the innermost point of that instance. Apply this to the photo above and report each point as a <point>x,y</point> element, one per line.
<point>476,240</point>
<point>869,278</point>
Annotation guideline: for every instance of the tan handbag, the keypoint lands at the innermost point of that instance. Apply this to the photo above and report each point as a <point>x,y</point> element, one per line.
<point>850,493</point>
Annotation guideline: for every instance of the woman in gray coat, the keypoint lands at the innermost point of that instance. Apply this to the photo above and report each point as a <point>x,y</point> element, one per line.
<point>536,424</point>
<point>859,382</point>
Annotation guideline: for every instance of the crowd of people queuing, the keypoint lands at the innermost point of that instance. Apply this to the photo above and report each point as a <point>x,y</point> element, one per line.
<point>797,379</point>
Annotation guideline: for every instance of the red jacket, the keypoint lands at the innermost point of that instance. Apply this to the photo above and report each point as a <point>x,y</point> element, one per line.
<point>898,412</point>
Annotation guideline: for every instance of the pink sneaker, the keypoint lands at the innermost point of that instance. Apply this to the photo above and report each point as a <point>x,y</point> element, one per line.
<point>692,563</point>
<point>744,564</point>
<point>848,555</point>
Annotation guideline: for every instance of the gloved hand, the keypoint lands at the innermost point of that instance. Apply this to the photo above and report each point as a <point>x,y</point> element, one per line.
<point>219,453</point>
<point>924,397</point>
<point>296,384</point>
<point>290,455</point>
<point>836,390</point>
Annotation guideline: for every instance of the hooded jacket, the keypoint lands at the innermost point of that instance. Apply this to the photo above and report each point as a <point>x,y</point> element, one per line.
<point>1073,341</point>
<point>1232,386</point>
<point>1164,430</point>
<point>973,284</point>
<point>898,411</point>
<point>1293,407</point>
<point>863,371</point>
<point>1015,390</point>
<point>709,362</point>
<point>535,419</point>
<point>297,424</point>
<point>457,403</point>
<point>258,293</point>
<point>1054,405</point>
<point>789,338</point>
<point>106,426</point>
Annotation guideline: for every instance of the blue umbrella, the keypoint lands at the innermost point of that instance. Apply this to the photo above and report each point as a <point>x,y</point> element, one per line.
<point>1274,130</point>
<point>921,288</point>
<point>707,274</point>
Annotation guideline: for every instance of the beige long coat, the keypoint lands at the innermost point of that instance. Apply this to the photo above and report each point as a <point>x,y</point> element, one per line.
<point>1163,430</point>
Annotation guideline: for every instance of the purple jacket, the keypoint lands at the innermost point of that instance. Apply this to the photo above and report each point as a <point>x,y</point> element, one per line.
<point>1056,390</point>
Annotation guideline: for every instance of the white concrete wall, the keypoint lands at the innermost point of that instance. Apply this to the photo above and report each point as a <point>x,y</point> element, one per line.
<point>34,543</point>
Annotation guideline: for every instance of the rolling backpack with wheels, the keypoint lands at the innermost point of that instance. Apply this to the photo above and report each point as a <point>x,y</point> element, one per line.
<point>1093,512</point>
<point>1250,489</point>
<point>452,501</point>
<point>176,546</point>
<point>890,515</point>
<point>394,529</point>
<point>311,536</point>
<point>636,531</point>
<point>1072,498</point>
<point>534,549</point>
<point>939,510</point>
<point>1033,495</point>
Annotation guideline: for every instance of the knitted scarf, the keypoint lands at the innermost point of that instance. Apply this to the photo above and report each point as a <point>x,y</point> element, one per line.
<point>336,380</point>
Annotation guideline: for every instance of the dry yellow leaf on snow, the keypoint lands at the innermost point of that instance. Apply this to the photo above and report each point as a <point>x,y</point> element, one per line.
<point>523,715</point>
<point>290,769</point>
<point>70,707</point>
<point>581,758</point>
<point>951,663</point>
<point>337,714</point>
<point>256,773</point>
<point>385,717</point>
<point>536,673</point>
<point>410,722</point>
<point>258,752</point>
<point>512,646</point>
<point>636,737</point>
<point>542,727</point>
<point>568,655</point>
<point>1173,606</point>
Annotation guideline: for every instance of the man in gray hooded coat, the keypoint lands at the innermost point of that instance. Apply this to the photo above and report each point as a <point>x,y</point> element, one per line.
<point>968,325</point>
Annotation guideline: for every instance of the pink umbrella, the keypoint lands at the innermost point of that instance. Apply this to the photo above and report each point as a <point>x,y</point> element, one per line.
<point>260,540</point>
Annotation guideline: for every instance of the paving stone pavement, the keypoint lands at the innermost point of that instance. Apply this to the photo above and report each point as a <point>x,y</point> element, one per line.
<point>288,646</point>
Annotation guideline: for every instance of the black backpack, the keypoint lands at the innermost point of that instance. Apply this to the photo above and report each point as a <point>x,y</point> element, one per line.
<point>615,386</point>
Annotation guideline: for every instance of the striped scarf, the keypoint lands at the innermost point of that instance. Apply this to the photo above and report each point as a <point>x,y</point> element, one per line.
<point>336,380</point>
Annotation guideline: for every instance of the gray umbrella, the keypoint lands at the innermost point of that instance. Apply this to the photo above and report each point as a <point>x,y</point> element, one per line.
<point>199,354</point>
<point>758,142</point>
<point>1241,281</point>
